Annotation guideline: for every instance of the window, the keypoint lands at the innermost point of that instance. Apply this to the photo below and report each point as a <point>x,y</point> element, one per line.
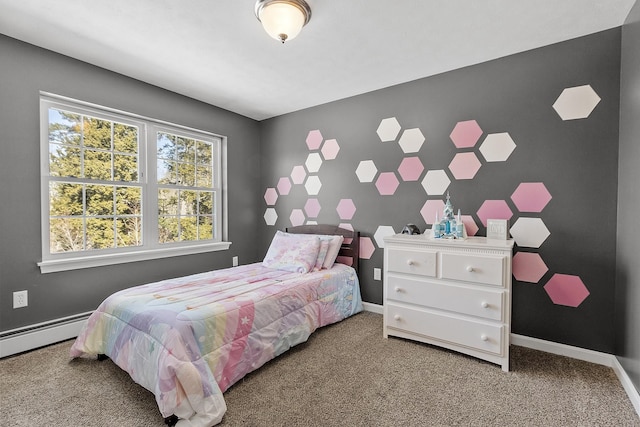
<point>118,187</point>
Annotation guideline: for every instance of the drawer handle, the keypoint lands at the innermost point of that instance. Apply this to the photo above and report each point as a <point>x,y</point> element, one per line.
<point>484,304</point>
<point>470,269</point>
<point>398,289</point>
<point>483,337</point>
<point>396,317</point>
<point>410,262</point>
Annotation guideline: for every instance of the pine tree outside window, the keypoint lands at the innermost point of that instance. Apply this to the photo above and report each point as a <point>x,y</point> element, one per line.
<point>117,187</point>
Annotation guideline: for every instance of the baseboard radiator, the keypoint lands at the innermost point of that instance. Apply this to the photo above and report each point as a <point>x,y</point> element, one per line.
<point>42,334</point>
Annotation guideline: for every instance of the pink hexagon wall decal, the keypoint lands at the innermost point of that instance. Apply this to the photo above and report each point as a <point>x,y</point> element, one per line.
<point>436,182</point>
<point>381,232</point>
<point>528,267</point>
<point>470,225</point>
<point>346,209</point>
<point>367,248</point>
<point>576,102</point>
<point>366,171</point>
<point>298,174</point>
<point>430,209</point>
<point>296,217</point>
<point>497,147</point>
<point>568,290</point>
<point>313,163</point>
<point>464,165</point>
<point>387,183</point>
<point>330,149</point>
<point>284,186</point>
<point>529,232</point>
<point>313,185</point>
<point>314,139</point>
<point>312,208</point>
<point>388,129</point>
<point>411,168</point>
<point>270,196</point>
<point>346,226</point>
<point>494,209</point>
<point>466,134</point>
<point>270,216</point>
<point>531,197</point>
<point>411,140</point>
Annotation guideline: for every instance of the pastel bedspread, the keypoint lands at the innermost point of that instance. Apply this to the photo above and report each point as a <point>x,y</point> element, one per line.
<point>189,339</point>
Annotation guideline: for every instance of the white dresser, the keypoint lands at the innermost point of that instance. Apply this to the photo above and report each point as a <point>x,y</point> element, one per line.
<point>451,293</point>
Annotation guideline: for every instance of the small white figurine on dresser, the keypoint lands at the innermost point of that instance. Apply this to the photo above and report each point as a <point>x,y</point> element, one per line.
<point>451,293</point>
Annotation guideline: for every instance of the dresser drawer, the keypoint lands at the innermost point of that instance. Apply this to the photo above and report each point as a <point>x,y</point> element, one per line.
<point>473,301</point>
<point>412,261</point>
<point>485,269</point>
<point>476,335</point>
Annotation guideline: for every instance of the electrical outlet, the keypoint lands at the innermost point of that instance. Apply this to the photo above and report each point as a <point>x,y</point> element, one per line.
<point>20,299</point>
<point>376,274</point>
<point>235,261</point>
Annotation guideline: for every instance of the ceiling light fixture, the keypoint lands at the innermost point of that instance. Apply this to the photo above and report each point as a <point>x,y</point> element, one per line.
<point>283,19</point>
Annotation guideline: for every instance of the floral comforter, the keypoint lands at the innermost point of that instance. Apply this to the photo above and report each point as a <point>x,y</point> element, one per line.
<point>188,339</point>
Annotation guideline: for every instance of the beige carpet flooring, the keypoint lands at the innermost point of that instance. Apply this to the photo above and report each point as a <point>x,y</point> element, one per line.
<point>345,375</point>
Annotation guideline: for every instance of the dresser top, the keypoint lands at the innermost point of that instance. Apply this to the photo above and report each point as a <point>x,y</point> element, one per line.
<point>469,242</point>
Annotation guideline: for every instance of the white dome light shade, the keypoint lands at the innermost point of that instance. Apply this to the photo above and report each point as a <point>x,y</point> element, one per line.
<point>283,20</point>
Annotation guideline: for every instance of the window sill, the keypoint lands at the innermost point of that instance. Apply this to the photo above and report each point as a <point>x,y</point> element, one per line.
<point>64,264</point>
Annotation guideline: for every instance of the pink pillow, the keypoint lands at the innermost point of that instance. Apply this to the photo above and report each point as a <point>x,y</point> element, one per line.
<point>292,252</point>
<point>334,247</point>
<point>322,254</point>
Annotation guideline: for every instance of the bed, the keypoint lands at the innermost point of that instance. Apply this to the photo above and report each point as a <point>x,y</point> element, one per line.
<point>188,339</point>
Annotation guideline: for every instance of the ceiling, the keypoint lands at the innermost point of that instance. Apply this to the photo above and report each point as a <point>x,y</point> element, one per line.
<point>216,50</point>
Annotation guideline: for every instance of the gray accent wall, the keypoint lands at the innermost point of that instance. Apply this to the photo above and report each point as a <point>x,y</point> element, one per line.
<point>26,70</point>
<point>627,320</point>
<point>576,160</point>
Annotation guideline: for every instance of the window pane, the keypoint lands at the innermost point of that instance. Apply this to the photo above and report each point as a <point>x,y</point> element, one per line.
<point>188,202</point>
<point>65,199</point>
<point>167,229</point>
<point>186,149</point>
<point>100,233</point>
<point>125,138</point>
<point>188,228</point>
<point>206,203</point>
<point>204,153</point>
<point>97,165</point>
<point>167,202</point>
<point>99,199</point>
<point>97,133</point>
<point>186,174</point>
<point>64,161</point>
<point>166,146</point>
<point>65,235</point>
<point>64,127</point>
<point>205,227</point>
<point>129,231</point>
<point>166,172</point>
<point>203,176</point>
<point>128,201</point>
<point>125,168</point>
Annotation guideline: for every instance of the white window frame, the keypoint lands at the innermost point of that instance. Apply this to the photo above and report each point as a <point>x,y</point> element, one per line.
<point>150,248</point>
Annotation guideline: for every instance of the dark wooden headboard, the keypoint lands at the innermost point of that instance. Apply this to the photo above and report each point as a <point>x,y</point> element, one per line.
<point>350,249</point>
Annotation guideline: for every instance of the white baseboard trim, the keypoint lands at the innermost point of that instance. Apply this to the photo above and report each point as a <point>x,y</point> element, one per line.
<point>374,308</point>
<point>597,357</point>
<point>42,334</point>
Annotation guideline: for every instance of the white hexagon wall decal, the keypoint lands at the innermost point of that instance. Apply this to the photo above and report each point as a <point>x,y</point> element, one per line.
<point>529,232</point>
<point>313,185</point>
<point>388,129</point>
<point>497,147</point>
<point>436,182</point>
<point>298,174</point>
<point>330,149</point>
<point>313,163</point>
<point>382,232</point>
<point>576,102</point>
<point>296,217</point>
<point>270,216</point>
<point>366,171</point>
<point>411,140</point>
